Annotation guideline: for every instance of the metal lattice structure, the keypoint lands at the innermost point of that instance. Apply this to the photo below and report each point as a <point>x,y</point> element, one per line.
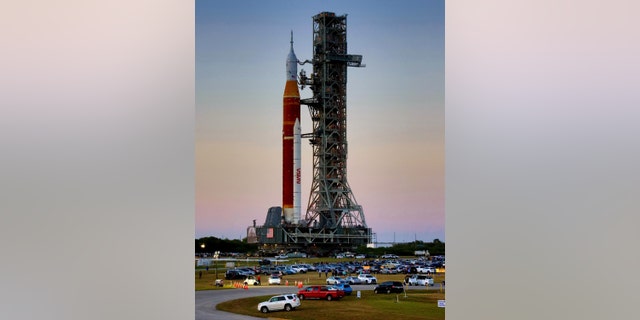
<point>332,205</point>
<point>333,221</point>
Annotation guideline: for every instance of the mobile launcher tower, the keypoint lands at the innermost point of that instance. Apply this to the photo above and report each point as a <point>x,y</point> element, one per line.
<point>334,221</point>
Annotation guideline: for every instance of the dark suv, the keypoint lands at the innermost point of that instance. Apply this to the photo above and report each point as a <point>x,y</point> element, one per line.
<point>389,286</point>
<point>233,274</point>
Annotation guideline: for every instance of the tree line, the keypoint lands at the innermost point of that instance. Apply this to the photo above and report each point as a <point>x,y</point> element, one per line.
<point>212,244</point>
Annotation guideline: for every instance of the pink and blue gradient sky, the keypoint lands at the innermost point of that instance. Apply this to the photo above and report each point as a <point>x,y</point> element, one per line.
<point>395,112</point>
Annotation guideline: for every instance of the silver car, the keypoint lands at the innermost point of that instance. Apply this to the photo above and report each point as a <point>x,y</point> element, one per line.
<point>335,280</point>
<point>353,280</point>
<point>367,278</point>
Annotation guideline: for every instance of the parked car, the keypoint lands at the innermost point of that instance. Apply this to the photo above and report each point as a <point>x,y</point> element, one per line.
<point>353,280</point>
<point>299,268</point>
<point>251,281</point>
<point>367,278</point>
<point>420,280</point>
<point>267,270</point>
<point>247,271</point>
<point>277,273</point>
<point>233,274</point>
<point>320,292</point>
<point>288,270</point>
<point>334,280</point>
<point>286,302</point>
<point>308,266</point>
<point>411,270</point>
<point>274,279</point>
<point>402,268</point>
<point>389,271</point>
<point>427,270</point>
<point>344,287</point>
<point>389,286</point>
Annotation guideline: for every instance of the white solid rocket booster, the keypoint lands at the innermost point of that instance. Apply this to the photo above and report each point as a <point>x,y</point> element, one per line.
<point>296,171</point>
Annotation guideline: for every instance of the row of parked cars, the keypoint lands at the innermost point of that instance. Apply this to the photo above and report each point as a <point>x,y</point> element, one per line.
<point>290,301</point>
<point>363,278</point>
<point>287,269</point>
<point>387,266</point>
<point>273,279</point>
<point>239,273</point>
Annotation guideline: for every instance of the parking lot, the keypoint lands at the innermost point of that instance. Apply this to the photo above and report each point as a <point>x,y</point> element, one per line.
<point>296,273</point>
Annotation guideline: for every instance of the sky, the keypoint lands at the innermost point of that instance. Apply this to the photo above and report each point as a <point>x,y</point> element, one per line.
<point>395,107</point>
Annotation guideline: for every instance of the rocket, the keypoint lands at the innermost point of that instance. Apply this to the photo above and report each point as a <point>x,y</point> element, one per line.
<point>291,142</point>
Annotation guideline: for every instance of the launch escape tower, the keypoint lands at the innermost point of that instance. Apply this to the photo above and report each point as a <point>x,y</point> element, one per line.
<point>333,220</point>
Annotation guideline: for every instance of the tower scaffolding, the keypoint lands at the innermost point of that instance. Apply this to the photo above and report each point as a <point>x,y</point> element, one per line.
<point>332,206</point>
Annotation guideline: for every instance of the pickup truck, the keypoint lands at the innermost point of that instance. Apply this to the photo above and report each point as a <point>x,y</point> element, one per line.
<point>320,292</point>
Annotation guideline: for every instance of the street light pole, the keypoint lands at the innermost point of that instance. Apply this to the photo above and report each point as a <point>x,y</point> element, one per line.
<point>215,257</point>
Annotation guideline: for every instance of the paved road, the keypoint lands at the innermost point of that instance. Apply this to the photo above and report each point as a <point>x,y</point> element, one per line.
<point>207,300</point>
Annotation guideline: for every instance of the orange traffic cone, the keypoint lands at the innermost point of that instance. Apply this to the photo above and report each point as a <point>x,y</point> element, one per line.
<point>286,283</point>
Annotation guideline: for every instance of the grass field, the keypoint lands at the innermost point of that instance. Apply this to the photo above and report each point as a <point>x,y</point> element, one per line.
<point>416,305</point>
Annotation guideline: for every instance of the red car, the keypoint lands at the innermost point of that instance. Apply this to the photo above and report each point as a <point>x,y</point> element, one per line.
<point>320,292</point>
